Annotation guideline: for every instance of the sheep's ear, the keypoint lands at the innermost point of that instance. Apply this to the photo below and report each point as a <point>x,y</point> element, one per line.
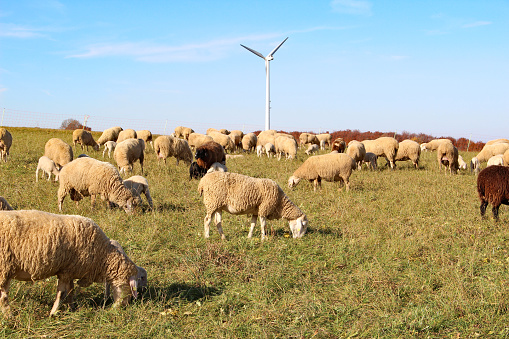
<point>133,283</point>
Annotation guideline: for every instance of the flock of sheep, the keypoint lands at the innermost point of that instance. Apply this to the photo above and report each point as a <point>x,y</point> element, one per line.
<point>36,244</point>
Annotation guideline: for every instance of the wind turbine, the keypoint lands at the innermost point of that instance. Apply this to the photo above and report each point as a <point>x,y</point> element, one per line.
<point>268,58</point>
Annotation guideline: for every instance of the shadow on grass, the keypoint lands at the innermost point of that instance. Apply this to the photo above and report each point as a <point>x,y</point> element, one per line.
<point>311,230</point>
<point>167,207</point>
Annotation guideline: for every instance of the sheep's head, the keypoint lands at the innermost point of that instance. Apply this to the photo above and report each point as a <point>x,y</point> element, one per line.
<point>475,165</point>
<point>201,153</point>
<point>96,147</point>
<point>299,226</point>
<point>293,181</point>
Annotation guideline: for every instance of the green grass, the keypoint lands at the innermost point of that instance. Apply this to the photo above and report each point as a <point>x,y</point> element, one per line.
<point>403,254</point>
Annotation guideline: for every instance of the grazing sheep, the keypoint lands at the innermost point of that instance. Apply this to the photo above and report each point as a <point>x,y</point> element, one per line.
<point>249,142</point>
<point>126,134</point>
<point>409,150</point>
<point>217,167</point>
<point>211,130</point>
<point>308,138</point>
<point>146,136</point>
<point>324,139</point>
<point>195,171</point>
<point>84,138</point>
<point>224,131</point>
<point>4,205</point>
<point>339,145</point>
<point>5,143</point>
<point>85,177</point>
<point>357,152</point>
<point>183,132</point>
<point>110,134</point>
<point>329,167</point>
<point>312,148</point>
<point>168,146</point>
<point>240,194</point>
<point>433,144</point>
<point>447,154</point>
<point>36,245</point>
<point>270,150</point>
<point>47,166</point>
<point>370,159</point>
<point>266,136</point>
<point>496,160</point>
<point>58,151</point>
<point>285,145</point>
<point>260,150</point>
<point>209,153</point>
<point>487,152</point>
<point>138,184</point>
<point>109,146</point>
<point>195,140</point>
<point>237,136</point>
<point>128,152</point>
<point>493,188</point>
<point>386,147</point>
<point>461,163</point>
<point>223,140</point>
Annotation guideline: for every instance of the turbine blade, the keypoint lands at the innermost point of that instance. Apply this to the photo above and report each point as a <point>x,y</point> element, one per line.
<point>275,49</point>
<point>253,51</point>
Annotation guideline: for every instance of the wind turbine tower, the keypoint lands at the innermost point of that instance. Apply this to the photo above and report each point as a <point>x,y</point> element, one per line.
<point>267,59</point>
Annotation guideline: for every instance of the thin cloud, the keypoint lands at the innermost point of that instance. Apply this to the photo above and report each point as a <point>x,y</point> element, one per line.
<point>356,7</point>
<point>477,24</point>
<point>3,90</point>
<point>17,31</point>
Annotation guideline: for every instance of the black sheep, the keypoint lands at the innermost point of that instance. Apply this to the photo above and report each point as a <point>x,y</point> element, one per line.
<point>195,171</point>
<point>493,188</point>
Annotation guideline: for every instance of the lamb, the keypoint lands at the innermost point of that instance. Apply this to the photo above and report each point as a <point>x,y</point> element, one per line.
<point>357,152</point>
<point>209,153</point>
<point>126,134</point>
<point>195,140</point>
<point>487,152</point>
<point>240,194</point>
<point>270,149</point>
<point>223,140</point>
<point>217,167</point>
<point>386,147</point>
<point>46,165</point>
<point>433,144</point>
<point>409,150</point>
<point>287,146</point>
<point>249,142</point>
<point>110,134</point>
<point>312,148</point>
<point>496,160</point>
<point>339,145</point>
<point>168,146</point>
<point>183,132</point>
<point>84,138</point>
<point>493,188</point>
<point>447,154</point>
<point>461,163</point>
<point>4,205</point>
<point>146,136</point>
<point>128,152</point>
<point>329,167</point>
<point>5,143</point>
<point>58,151</point>
<point>109,146</point>
<point>90,177</point>
<point>370,159</point>
<point>324,139</point>
<point>138,184</point>
<point>259,150</point>
<point>36,245</point>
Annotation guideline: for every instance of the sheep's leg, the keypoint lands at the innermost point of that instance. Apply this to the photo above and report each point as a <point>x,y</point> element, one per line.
<point>4,299</point>
<point>253,224</point>
<point>218,225</point>
<point>63,288</point>
<point>149,198</point>
<point>495,212</point>
<point>262,226</point>
<point>61,196</point>
<point>315,184</point>
<point>37,175</point>
<point>206,225</point>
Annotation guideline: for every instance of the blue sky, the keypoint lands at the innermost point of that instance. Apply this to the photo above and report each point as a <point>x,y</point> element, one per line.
<point>438,67</point>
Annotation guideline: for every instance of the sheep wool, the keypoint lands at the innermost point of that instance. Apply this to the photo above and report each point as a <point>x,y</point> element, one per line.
<point>195,140</point>
<point>110,134</point>
<point>36,245</point>
<point>126,134</point>
<point>287,146</point>
<point>386,147</point>
<point>183,132</point>
<point>168,146</point>
<point>137,185</point>
<point>496,160</point>
<point>493,188</point>
<point>506,158</point>
<point>5,143</point>
<point>146,136</point>
<point>357,152</point>
<point>266,136</point>
<point>240,194</point>
<point>486,153</point>
<point>324,139</point>
<point>249,142</point>
<point>447,154</point>
<point>84,138</point>
<point>433,144</point>
<point>409,150</point>
<point>58,151</point>
<point>127,152</point>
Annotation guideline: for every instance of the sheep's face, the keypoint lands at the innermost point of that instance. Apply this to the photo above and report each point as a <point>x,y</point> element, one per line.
<point>96,147</point>
<point>201,153</point>
<point>299,226</point>
<point>293,181</point>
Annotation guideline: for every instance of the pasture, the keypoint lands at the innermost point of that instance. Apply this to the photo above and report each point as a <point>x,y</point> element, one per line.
<point>404,253</point>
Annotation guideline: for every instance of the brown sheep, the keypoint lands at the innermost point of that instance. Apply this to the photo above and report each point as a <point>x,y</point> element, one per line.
<point>209,153</point>
<point>493,188</point>
<point>339,145</point>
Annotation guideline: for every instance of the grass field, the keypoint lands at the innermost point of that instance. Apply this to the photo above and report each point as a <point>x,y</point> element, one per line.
<point>403,254</point>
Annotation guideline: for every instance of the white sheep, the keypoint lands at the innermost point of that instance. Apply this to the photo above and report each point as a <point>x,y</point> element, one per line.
<point>496,160</point>
<point>285,145</point>
<point>260,150</point>
<point>409,150</point>
<point>110,134</point>
<point>36,245</point>
<point>386,147</point>
<point>126,134</point>
<point>266,136</point>
<point>90,177</point>
<point>195,140</point>
<point>249,142</point>
<point>329,167</point>
<point>237,136</point>
<point>146,136</point>
<point>312,148</point>
<point>357,152</point>
<point>240,194</point>
<point>109,146</point>
<point>5,143</point>
<point>447,154</point>
<point>461,163</point>
<point>308,138</point>
<point>167,146</point>
<point>127,152</point>
<point>487,152</point>
<point>57,150</point>
<point>370,159</point>
<point>217,167</point>
<point>223,140</point>
<point>84,138</point>
<point>46,165</point>
<point>325,139</point>
<point>183,132</point>
<point>138,185</point>
<point>433,144</point>
<point>270,149</point>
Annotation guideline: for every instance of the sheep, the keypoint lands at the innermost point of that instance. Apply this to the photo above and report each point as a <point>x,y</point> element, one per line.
<point>285,145</point>
<point>249,142</point>
<point>146,136</point>
<point>370,159</point>
<point>4,205</point>
<point>5,143</point>
<point>339,145</point>
<point>110,134</point>
<point>211,130</point>
<point>195,171</point>
<point>487,152</point>
<point>493,188</point>
<point>36,245</point>
<point>168,146</point>
<point>90,177</point>
<point>109,146</point>
<point>433,144</point>
<point>241,194</point>
<point>265,137</point>
<point>329,167</point>
<point>409,150</point>
<point>237,136</point>
<point>126,134</point>
<point>183,132</point>
<point>84,138</point>
<point>506,158</point>
<point>497,141</point>
<point>308,138</point>
<point>223,140</point>
<point>324,139</point>
<point>270,149</point>
<point>383,146</point>
<point>195,140</point>
<point>461,163</point>
<point>58,151</point>
<point>217,167</point>
<point>496,160</point>
<point>260,150</point>
<point>312,148</point>
<point>46,165</point>
<point>357,152</point>
<point>447,154</point>
<point>209,153</point>
<point>138,184</point>
<point>127,152</point>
